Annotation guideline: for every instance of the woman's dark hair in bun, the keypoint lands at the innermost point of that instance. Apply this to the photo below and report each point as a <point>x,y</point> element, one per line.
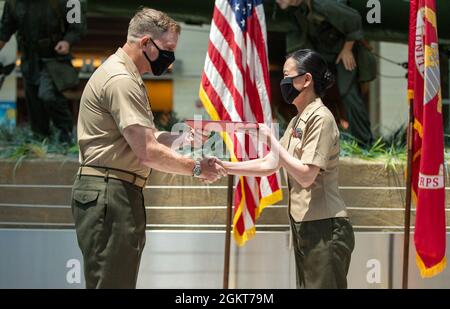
<point>309,61</point>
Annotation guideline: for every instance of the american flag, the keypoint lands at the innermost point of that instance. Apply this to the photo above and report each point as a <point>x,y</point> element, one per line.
<point>235,86</point>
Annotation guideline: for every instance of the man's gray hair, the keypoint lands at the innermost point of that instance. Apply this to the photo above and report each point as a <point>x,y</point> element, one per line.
<point>151,22</point>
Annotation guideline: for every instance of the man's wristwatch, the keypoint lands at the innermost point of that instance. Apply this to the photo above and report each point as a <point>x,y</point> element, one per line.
<point>197,170</point>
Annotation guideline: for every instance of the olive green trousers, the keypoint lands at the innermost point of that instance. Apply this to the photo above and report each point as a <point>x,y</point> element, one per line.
<point>45,104</point>
<point>357,114</point>
<point>322,252</point>
<point>110,221</point>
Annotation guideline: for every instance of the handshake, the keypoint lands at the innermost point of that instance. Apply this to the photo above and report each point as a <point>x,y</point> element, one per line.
<point>212,169</point>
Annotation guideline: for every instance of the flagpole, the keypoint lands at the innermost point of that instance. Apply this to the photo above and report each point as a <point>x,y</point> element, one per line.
<point>410,143</point>
<point>226,266</point>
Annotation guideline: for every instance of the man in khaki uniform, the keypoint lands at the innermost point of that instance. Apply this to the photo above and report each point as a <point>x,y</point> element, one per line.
<point>119,144</point>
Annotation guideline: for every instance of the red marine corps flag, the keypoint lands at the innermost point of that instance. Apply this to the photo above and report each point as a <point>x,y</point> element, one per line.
<point>424,87</point>
<point>235,86</point>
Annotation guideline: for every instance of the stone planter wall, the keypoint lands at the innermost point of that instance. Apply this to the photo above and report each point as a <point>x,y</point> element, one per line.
<point>37,195</point>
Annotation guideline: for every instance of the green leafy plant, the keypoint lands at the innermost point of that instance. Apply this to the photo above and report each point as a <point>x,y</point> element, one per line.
<point>20,143</point>
<point>24,151</point>
<point>352,148</point>
<point>391,151</point>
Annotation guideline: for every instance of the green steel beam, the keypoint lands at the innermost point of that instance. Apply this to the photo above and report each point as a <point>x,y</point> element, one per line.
<point>393,26</point>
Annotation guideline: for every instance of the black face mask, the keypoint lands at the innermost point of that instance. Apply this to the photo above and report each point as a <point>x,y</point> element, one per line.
<point>162,63</point>
<point>288,90</point>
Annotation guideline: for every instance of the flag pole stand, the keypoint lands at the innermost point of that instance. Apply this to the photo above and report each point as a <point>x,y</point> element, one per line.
<point>410,142</point>
<point>226,265</point>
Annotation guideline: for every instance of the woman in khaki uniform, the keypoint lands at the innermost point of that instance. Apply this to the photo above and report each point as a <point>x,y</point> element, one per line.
<point>309,152</point>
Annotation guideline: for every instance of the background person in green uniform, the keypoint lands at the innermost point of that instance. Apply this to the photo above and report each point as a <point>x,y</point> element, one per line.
<point>309,153</point>
<point>332,28</point>
<point>45,38</point>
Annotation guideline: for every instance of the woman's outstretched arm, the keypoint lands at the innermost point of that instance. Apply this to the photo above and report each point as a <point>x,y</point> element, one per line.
<point>260,167</point>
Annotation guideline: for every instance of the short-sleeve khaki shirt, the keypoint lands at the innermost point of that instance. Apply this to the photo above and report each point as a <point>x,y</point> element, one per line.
<point>313,138</point>
<point>114,98</point>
